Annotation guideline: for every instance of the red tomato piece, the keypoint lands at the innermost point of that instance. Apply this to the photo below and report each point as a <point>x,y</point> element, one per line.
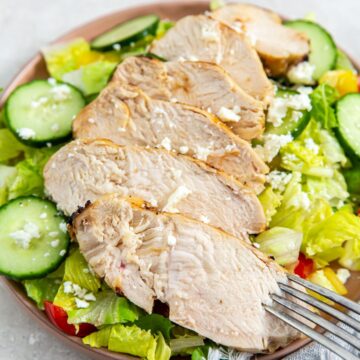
<point>305,266</point>
<point>59,317</point>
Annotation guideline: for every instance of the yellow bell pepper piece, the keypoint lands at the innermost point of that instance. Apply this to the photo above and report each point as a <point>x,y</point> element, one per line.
<point>344,81</point>
<point>335,281</point>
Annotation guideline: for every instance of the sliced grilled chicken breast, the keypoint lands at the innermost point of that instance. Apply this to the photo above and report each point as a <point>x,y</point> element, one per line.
<point>278,46</point>
<point>125,115</point>
<point>214,284</point>
<point>204,85</point>
<point>203,38</point>
<point>86,169</point>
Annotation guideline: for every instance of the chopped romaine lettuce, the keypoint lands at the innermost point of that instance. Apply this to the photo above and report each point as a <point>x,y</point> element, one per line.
<point>216,4</point>
<point>99,338</point>
<point>10,147</point>
<point>163,27</point>
<point>322,98</point>
<point>328,235</point>
<point>163,351</point>
<point>343,62</point>
<point>155,323</point>
<point>7,173</point>
<point>78,272</point>
<point>281,243</point>
<point>44,289</point>
<point>108,309</point>
<point>185,341</point>
<point>350,257</point>
<point>270,201</point>
<point>91,78</point>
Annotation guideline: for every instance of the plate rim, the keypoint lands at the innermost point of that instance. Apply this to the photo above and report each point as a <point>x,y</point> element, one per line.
<point>14,287</point>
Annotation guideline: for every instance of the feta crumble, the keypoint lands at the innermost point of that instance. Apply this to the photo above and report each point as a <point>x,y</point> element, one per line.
<point>301,201</point>
<point>179,194</point>
<point>272,145</point>
<point>311,145</point>
<point>60,92</point>
<point>63,227</point>
<point>343,275</point>
<point>55,243</point>
<point>81,304</point>
<point>166,143</point>
<point>43,216</point>
<point>62,252</point>
<point>116,47</point>
<point>24,236</point>
<point>229,115</point>
<point>26,133</point>
<point>53,234</point>
<point>302,73</point>
<point>278,179</point>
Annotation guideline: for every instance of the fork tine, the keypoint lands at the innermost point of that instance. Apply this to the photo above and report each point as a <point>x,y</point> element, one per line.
<point>321,339</point>
<point>346,319</point>
<point>318,320</point>
<point>327,293</point>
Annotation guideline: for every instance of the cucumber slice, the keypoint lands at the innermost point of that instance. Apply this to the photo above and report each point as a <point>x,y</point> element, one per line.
<point>323,52</point>
<point>291,124</point>
<point>343,62</point>
<point>348,115</point>
<point>352,177</point>
<point>42,111</point>
<point>33,238</point>
<point>127,32</point>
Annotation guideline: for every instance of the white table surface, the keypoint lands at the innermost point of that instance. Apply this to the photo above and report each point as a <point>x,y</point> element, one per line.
<point>26,26</point>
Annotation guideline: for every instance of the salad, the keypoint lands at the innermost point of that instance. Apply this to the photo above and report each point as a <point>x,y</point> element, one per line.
<point>310,200</point>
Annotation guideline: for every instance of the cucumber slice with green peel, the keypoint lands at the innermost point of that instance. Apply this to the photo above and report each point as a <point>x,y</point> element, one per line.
<point>42,111</point>
<point>33,238</point>
<point>352,177</point>
<point>348,116</point>
<point>323,51</point>
<point>127,32</point>
<point>291,124</point>
<point>343,62</point>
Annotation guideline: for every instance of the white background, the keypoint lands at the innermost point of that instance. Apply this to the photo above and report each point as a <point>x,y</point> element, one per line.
<point>28,25</point>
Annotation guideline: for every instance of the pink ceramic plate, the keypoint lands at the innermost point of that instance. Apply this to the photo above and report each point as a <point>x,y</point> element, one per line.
<point>36,69</point>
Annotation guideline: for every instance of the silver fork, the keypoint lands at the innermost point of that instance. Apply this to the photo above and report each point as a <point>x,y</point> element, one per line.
<point>316,318</point>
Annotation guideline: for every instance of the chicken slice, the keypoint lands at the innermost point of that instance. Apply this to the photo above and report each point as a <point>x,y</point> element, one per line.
<point>213,283</point>
<point>86,169</point>
<point>204,85</point>
<point>278,46</point>
<point>201,38</point>
<point>125,115</point>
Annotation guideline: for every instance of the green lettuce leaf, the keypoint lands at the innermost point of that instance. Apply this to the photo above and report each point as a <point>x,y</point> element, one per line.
<point>156,323</point>
<point>350,257</point>
<point>10,147</point>
<point>322,99</point>
<point>91,78</point>
<point>163,351</point>
<point>270,201</point>
<point>44,289</point>
<point>216,4</point>
<point>199,353</point>
<point>7,173</point>
<point>343,62</point>
<point>184,341</point>
<point>163,27</point>
<point>328,235</point>
<point>29,173</point>
<point>281,243</point>
<point>132,340</point>
<point>99,338</point>
<point>108,309</point>
<point>78,272</point>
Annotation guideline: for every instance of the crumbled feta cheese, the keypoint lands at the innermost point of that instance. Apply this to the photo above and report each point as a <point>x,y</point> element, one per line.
<point>55,127</point>
<point>209,33</point>
<point>180,193</point>
<point>90,297</point>
<point>68,287</point>
<point>26,133</point>
<point>343,275</point>
<point>53,234</point>
<point>183,149</point>
<point>43,216</point>
<point>60,92</point>
<point>301,200</point>
<point>272,145</point>
<point>55,243</point>
<point>24,236</point>
<point>63,227</point>
<point>278,179</point>
<point>41,101</point>
<point>52,81</point>
<point>171,240</point>
<point>49,144</point>
<point>62,252</point>
<point>311,145</point>
<point>166,143</point>
<point>47,254</point>
<point>202,153</point>
<point>81,304</point>
<point>229,115</point>
<point>116,47</point>
<point>302,73</point>
<point>204,219</point>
